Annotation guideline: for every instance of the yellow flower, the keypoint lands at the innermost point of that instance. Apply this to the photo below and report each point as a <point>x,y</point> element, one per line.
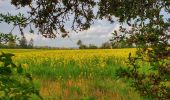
<point>25,66</point>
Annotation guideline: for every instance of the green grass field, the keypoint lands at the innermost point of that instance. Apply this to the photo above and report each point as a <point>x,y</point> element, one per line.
<point>77,74</point>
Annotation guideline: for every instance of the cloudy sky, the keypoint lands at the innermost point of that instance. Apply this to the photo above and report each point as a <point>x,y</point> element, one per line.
<point>99,32</point>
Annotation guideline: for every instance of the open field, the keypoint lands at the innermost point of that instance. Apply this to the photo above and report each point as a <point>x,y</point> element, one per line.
<point>77,74</point>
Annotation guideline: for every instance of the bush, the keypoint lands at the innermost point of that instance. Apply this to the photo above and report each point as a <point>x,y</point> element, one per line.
<point>14,82</point>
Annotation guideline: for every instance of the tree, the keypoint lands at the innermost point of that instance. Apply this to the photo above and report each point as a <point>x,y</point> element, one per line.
<point>150,32</point>
<point>83,47</point>
<point>79,43</point>
<point>49,17</point>
<point>106,45</point>
<point>92,46</point>
<point>11,44</point>
<point>31,43</point>
<point>120,41</point>
<point>3,38</point>
<point>23,42</point>
<point>8,39</point>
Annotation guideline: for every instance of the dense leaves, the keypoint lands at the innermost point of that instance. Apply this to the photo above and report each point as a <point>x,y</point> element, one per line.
<point>126,10</point>
<point>149,32</point>
<point>14,82</point>
<point>50,16</point>
<point>4,38</point>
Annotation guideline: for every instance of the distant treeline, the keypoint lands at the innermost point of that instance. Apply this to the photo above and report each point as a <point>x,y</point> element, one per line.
<point>106,45</point>
<point>12,41</point>
<point>9,41</point>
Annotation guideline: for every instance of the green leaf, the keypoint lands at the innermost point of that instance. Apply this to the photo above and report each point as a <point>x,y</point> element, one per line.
<point>19,69</point>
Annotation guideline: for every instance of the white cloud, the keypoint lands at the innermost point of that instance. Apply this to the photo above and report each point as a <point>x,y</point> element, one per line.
<point>97,34</point>
<point>33,36</point>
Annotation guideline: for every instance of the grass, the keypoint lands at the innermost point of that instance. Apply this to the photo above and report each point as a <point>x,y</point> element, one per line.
<point>77,74</point>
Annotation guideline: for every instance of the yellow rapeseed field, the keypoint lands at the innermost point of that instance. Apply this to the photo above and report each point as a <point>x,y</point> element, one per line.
<point>66,55</point>
<point>76,74</point>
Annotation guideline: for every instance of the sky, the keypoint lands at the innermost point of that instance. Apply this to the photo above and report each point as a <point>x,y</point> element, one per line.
<point>99,32</point>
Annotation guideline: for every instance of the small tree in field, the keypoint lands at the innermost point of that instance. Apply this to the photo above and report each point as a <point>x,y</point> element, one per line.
<point>106,45</point>
<point>79,43</point>
<point>23,42</point>
<point>31,43</point>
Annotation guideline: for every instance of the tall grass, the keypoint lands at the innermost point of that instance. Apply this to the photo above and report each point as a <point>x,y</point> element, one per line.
<point>78,74</point>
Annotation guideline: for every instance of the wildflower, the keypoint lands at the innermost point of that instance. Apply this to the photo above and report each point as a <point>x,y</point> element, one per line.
<point>25,66</point>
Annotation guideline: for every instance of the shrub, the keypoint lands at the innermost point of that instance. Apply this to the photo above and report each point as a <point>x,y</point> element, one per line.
<point>14,82</point>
